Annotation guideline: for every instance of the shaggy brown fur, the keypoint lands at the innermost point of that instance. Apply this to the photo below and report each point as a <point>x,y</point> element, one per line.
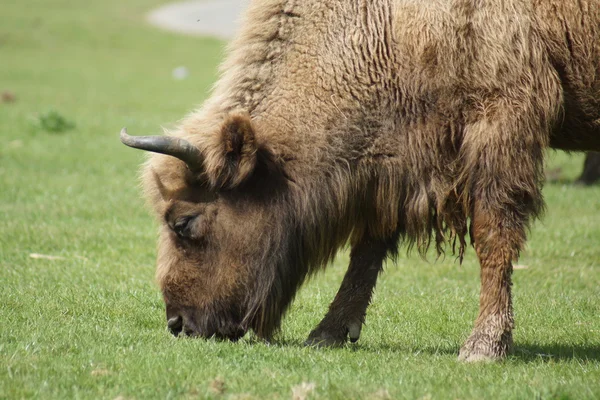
<point>374,122</point>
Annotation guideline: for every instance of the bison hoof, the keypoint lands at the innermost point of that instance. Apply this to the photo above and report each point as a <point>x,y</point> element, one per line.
<point>481,347</point>
<point>324,336</point>
<point>354,331</point>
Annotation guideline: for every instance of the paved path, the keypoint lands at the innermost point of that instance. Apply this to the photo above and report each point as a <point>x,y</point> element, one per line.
<point>217,18</point>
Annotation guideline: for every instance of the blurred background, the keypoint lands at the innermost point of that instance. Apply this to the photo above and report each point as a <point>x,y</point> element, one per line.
<point>72,73</point>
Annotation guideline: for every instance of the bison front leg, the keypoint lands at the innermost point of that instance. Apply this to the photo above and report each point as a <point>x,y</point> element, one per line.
<point>503,173</point>
<point>347,311</point>
<point>498,236</point>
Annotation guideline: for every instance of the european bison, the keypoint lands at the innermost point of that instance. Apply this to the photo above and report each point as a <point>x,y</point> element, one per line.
<point>591,169</point>
<point>374,123</point>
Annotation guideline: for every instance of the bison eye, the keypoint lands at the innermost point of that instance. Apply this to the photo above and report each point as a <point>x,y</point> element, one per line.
<point>181,226</point>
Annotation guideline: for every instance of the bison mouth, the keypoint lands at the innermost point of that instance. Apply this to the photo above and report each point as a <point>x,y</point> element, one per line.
<point>191,322</point>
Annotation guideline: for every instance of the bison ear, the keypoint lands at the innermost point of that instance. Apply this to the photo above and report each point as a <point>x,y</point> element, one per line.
<point>239,151</point>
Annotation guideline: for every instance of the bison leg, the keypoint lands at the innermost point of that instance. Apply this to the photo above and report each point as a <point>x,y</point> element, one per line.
<point>347,311</point>
<point>498,236</point>
<point>591,169</point>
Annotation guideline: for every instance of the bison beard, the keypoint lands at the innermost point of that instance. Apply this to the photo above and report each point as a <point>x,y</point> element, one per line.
<point>372,123</point>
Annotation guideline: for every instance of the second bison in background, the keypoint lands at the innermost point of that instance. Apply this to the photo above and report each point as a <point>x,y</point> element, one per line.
<point>591,169</point>
<point>375,122</point>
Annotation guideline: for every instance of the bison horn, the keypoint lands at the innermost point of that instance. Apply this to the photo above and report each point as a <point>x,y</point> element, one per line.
<point>168,145</point>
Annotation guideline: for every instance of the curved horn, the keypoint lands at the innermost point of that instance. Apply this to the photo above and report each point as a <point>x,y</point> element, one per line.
<point>168,145</point>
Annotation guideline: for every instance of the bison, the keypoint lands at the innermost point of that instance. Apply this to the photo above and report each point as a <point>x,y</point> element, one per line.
<point>371,123</point>
<point>591,169</point>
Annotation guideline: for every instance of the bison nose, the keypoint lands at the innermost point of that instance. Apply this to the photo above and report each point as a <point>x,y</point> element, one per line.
<point>175,325</point>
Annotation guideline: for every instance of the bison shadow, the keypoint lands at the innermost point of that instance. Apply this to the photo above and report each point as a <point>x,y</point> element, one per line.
<point>523,351</point>
<point>529,352</point>
<point>553,352</point>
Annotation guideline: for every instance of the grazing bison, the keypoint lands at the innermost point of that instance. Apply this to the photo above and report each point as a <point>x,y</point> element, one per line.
<point>591,169</point>
<point>374,123</point>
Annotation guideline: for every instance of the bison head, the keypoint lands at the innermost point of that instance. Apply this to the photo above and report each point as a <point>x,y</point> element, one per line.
<point>223,232</point>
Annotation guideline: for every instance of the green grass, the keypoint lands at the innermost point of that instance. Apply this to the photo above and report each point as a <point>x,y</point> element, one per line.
<point>91,324</point>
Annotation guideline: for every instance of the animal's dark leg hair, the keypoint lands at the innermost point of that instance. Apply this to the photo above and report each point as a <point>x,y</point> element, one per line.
<point>347,312</point>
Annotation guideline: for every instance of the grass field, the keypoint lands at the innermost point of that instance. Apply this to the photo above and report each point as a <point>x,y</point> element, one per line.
<point>90,323</point>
